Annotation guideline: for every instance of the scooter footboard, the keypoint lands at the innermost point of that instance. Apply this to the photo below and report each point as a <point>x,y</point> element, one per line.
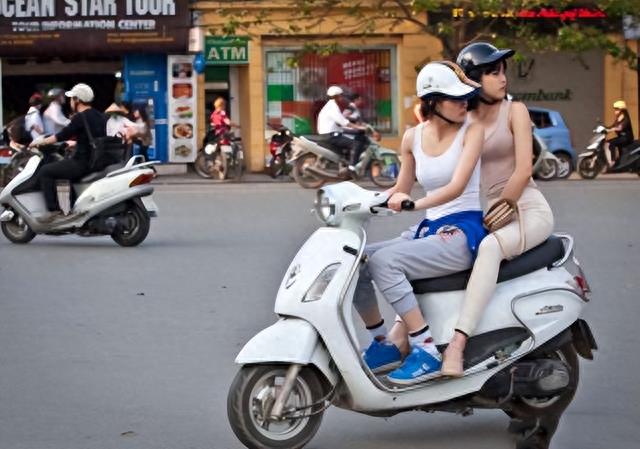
<point>289,340</point>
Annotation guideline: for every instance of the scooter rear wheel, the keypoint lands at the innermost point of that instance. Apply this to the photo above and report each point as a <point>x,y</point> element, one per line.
<point>252,396</point>
<point>136,227</point>
<point>17,231</point>
<point>547,170</point>
<point>302,176</point>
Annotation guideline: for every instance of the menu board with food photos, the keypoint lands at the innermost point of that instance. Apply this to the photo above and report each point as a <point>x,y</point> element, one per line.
<point>182,109</point>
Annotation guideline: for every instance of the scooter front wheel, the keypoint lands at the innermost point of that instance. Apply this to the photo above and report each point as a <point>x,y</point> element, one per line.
<point>589,167</point>
<point>251,399</point>
<point>17,230</point>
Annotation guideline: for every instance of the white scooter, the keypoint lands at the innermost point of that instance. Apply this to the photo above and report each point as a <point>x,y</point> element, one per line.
<point>115,201</point>
<point>522,357</point>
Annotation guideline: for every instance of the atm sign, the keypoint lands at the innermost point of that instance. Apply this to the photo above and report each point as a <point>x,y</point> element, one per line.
<point>226,50</point>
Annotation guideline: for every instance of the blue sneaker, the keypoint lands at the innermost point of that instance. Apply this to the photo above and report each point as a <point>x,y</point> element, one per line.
<point>419,366</point>
<point>382,356</point>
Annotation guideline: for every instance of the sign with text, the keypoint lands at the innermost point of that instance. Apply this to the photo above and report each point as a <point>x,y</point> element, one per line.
<point>226,50</point>
<point>90,27</point>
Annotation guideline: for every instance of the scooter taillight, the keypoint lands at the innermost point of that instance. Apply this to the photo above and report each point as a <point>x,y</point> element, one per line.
<point>144,178</point>
<point>273,147</point>
<point>583,285</point>
<point>225,142</point>
<point>5,152</point>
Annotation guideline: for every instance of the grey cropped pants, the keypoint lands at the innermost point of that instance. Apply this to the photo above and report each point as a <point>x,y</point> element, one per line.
<point>393,263</point>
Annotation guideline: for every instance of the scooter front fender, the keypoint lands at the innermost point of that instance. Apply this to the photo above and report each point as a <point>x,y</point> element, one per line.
<point>289,340</point>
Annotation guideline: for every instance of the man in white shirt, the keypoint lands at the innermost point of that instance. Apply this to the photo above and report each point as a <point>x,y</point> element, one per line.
<point>54,119</point>
<point>32,120</point>
<point>331,121</point>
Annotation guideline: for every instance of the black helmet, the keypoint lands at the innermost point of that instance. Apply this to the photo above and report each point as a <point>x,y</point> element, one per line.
<point>481,54</point>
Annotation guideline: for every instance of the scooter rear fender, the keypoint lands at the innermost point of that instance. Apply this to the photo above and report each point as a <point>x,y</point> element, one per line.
<point>289,340</point>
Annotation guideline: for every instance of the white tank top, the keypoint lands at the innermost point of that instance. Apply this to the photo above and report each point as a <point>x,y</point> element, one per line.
<point>435,172</point>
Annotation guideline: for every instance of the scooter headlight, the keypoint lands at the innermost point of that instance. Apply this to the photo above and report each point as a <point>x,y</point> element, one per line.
<point>321,283</point>
<point>325,207</point>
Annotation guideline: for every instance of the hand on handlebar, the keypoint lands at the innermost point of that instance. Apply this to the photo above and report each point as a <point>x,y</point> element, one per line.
<point>395,202</point>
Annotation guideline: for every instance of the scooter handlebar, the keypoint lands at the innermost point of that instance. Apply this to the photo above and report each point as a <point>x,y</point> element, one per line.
<point>404,205</point>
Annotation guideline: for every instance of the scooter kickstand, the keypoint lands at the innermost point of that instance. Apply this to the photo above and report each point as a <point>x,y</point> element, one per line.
<point>281,399</point>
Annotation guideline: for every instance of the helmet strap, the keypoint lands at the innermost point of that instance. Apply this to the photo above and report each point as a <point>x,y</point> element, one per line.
<point>436,112</point>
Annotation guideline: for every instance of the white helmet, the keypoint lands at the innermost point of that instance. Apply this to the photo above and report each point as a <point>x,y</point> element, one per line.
<point>332,91</point>
<point>82,92</point>
<point>445,79</point>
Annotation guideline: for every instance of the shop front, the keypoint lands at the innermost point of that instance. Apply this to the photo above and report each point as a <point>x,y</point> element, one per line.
<point>126,51</point>
<point>281,82</point>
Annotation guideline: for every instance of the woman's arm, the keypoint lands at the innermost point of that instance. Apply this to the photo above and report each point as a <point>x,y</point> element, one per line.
<point>407,174</point>
<point>471,150</point>
<point>523,144</point>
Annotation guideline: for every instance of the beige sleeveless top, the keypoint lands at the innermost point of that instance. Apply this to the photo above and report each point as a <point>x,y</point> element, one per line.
<point>498,155</point>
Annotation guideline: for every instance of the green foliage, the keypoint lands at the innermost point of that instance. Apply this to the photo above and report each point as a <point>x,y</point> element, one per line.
<point>457,22</point>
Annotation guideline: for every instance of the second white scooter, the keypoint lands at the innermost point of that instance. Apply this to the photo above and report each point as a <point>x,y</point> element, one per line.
<point>115,201</point>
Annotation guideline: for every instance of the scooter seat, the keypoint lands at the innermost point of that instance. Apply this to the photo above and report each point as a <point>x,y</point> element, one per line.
<point>320,139</point>
<point>100,174</point>
<point>536,258</point>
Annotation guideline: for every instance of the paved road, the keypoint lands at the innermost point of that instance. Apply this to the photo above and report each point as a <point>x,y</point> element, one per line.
<point>105,347</point>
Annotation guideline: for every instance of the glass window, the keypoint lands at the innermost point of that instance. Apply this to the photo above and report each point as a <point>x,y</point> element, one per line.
<point>541,119</point>
<point>296,86</point>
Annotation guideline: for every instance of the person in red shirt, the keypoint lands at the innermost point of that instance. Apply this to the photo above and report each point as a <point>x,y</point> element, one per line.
<point>219,121</point>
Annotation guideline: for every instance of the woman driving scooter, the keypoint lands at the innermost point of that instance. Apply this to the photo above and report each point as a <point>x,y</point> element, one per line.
<point>624,133</point>
<point>518,217</point>
<point>443,154</point>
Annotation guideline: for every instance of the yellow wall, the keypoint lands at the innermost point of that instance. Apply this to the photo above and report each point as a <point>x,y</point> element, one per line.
<point>621,83</point>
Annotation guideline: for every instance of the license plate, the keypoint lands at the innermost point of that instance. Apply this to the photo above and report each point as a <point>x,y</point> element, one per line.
<point>226,148</point>
<point>150,205</point>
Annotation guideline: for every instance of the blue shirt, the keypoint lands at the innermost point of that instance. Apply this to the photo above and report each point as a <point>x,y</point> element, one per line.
<point>469,222</point>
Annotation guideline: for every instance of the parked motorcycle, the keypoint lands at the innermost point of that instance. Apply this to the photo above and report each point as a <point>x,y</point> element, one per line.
<point>522,358</point>
<point>280,149</point>
<point>315,163</point>
<point>593,161</point>
<point>546,165</point>
<point>221,157</point>
<point>115,201</point>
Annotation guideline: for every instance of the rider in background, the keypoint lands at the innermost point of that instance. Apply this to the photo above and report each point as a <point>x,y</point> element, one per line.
<point>85,119</point>
<point>353,113</point>
<point>53,117</point>
<point>623,130</point>
<point>32,120</point>
<point>331,121</point>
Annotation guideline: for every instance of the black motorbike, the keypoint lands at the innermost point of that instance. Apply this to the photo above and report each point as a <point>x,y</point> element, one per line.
<point>221,157</point>
<point>281,151</point>
<point>593,161</point>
